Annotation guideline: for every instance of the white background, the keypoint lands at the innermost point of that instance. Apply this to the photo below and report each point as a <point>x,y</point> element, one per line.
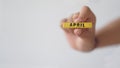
<point>30,36</point>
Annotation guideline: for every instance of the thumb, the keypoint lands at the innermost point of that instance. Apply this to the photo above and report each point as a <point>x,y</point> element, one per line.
<point>84,13</point>
<point>77,32</point>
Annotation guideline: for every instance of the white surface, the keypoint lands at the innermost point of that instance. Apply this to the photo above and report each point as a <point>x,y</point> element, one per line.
<point>25,42</point>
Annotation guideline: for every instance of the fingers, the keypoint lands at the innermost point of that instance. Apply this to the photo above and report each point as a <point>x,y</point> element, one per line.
<point>81,16</point>
<point>75,16</point>
<point>71,20</point>
<point>77,31</point>
<point>63,21</point>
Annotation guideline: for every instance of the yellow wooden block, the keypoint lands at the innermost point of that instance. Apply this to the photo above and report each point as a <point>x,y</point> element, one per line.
<point>77,25</point>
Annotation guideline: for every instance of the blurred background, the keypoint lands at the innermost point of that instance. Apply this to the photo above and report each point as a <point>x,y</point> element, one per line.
<point>30,36</point>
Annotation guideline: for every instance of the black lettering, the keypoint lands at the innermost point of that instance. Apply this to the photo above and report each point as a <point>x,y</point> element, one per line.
<point>83,25</point>
<point>77,24</point>
<point>70,24</point>
<point>74,24</point>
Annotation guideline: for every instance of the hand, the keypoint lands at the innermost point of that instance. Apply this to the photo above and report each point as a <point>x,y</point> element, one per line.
<point>82,39</point>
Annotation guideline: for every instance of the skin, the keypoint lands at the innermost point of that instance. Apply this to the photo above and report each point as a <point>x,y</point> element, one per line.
<point>87,39</point>
<point>109,35</point>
